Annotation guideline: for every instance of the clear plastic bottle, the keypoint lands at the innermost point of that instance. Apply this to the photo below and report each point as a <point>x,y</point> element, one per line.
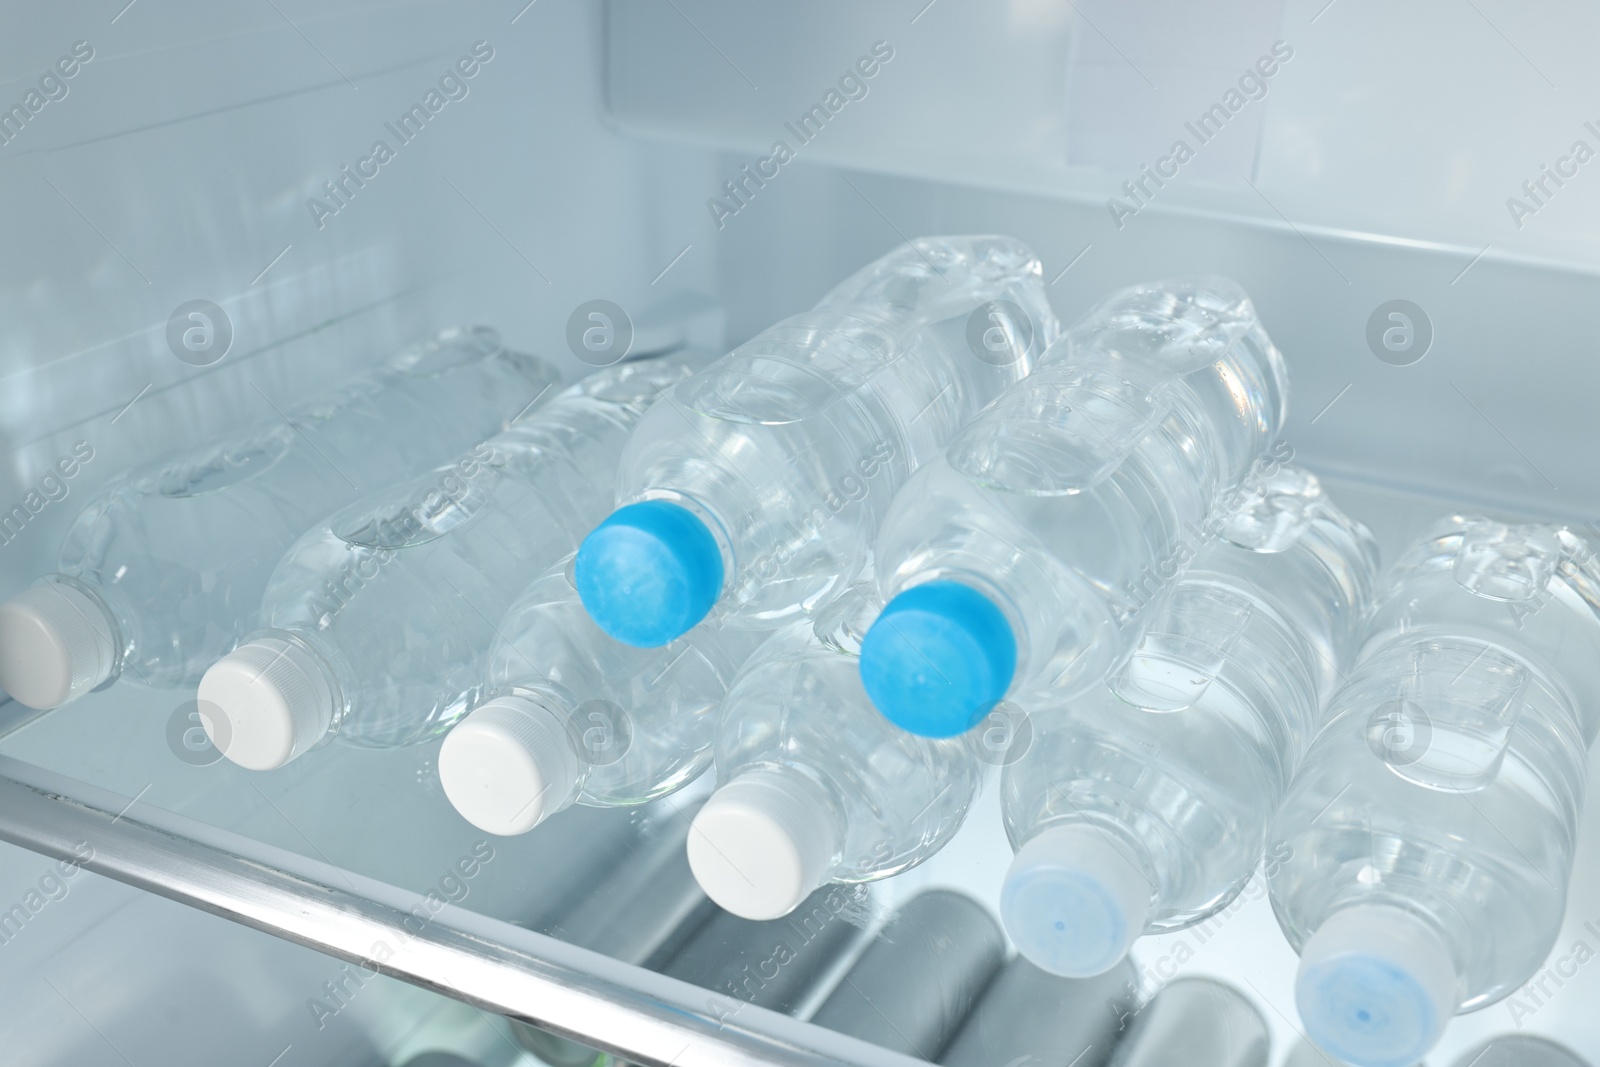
<point>1017,557</point>
<point>1430,831</point>
<point>758,484</point>
<point>1520,1050</point>
<point>919,977</point>
<point>163,571</point>
<point>814,788</point>
<point>378,621</point>
<point>1142,805</point>
<point>574,716</point>
<point>1196,1021</point>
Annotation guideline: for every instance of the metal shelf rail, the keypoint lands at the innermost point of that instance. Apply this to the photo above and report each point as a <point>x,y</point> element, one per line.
<point>647,1018</point>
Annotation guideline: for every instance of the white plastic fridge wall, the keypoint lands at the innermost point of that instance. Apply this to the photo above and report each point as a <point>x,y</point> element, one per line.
<point>183,161</point>
<point>179,167</point>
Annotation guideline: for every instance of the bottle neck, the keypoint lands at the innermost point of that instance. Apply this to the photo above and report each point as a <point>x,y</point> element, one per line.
<point>322,659</point>
<point>114,613</point>
<point>597,732</point>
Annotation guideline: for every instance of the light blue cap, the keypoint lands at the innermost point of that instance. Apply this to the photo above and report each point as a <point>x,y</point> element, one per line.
<point>649,573</point>
<point>1073,902</point>
<point>938,659</point>
<point>1376,987</point>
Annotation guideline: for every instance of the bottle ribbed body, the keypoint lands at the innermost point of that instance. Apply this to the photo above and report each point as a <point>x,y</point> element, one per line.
<point>180,550</point>
<point>791,446</point>
<point>1184,754</point>
<point>401,592</point>
<point>1075,497</point>
<point>1448,779</point>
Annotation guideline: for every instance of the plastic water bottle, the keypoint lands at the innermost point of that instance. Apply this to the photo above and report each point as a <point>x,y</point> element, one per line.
<point>779,964</point>
<point>759,483</point>
<point>1142,805</point>
<point>439,1058</point>
<point>814,788</point>
<point>639,908</point>
<point>378,621</point>
<point>919,977</point>
<point>1027,1018</point>
<point>163,570</point>
<point>1016,559</point>
<point>1198,1021</point>
<point>1432,826</point>
<point>575,716</point>
<point>1520,1050</point>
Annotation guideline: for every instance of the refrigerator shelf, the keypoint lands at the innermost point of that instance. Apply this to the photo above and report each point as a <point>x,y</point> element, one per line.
<point>491,964</point>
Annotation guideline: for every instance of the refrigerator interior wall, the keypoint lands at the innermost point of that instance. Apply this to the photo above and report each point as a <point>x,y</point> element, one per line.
<point>585,159</point>
<point>184,162</point>
<point>1358,178</point>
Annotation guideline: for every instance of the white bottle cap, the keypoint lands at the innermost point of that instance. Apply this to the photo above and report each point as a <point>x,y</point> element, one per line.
<point>1376,986</point>
<point>508,765</point>
<point>56,644</point>
<point>266,702</point>
<point>761,844</point>
<point>1074,900</point>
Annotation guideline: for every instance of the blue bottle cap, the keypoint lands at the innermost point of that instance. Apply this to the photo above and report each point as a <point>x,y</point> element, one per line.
<point>1074,902</point>
<point>649,573</point>
<point>938,659</point>
<point>1375,986</point>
